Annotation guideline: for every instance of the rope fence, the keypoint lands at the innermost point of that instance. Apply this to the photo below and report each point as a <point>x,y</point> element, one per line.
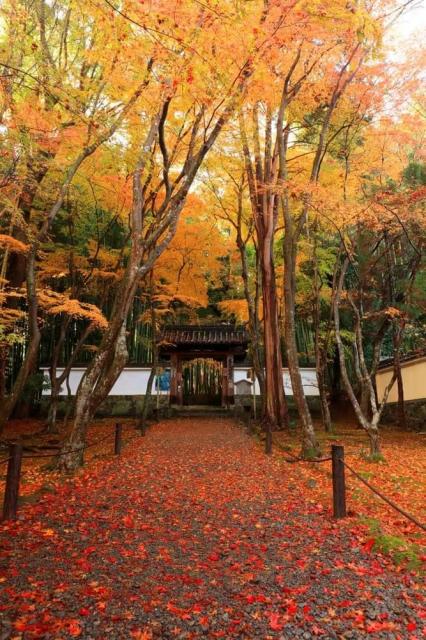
<point>13,474</point>
<point>59,454</point>
<point>339,485</point>
<point>381,495</point>
<point>298,458</point>
<point>337,459</point>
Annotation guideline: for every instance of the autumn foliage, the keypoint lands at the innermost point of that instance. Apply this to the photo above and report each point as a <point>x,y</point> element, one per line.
<point>189,545</point>
<point>151,157</point>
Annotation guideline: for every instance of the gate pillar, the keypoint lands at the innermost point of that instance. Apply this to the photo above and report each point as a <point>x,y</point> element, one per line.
<point>179,383</point>
<point>173,378</point>
<point>230,369</point>
<point>225,384</point>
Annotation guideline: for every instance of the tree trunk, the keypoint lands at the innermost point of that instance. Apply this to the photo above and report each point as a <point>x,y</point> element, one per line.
<point>373,435</point>
<point>57,381</point>
<point>55,384</point>
<point>53,410</point>
<point>253,324</point>
<point>369,425</point>
<point>153,372</point>
<point>402,417</point>
<point>258,355</point>
<point>310,446</point>
<point>37,168</point>
<point>69,404</point>
<point>89,396</point>
<point>31,355</point>
<point>4,352</point>
<point>323,395</point>
<point>147,400</point>
<point>321,343</point>
<point>276,412</point>
<point>364,399</point>
<point>261,177</point>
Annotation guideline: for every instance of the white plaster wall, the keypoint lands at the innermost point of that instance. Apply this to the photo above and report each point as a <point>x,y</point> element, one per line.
<point>133,381</point>
<point>309,380</point>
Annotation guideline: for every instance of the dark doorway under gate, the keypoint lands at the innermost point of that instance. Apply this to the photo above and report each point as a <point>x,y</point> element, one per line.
<point>202,382</point>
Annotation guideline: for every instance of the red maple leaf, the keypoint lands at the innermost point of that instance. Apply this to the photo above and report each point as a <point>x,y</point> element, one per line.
<point>275,622</point>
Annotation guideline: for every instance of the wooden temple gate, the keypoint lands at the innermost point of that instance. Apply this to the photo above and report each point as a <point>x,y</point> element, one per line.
<point>222,343</point>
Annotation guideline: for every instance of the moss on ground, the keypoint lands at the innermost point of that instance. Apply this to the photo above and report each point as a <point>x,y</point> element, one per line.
<point>399,549</point>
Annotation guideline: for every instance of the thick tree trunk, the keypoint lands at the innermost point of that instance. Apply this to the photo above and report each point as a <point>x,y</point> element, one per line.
<point>89,396</point>
<point>364,399</point>
<point>261,177</point>
<point>276,412</point>
<point>253,324</point>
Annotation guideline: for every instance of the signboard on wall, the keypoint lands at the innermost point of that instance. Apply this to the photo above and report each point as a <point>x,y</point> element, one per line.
<point>162,381</point>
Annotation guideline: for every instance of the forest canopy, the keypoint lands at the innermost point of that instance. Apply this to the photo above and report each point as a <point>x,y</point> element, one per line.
<point>259,163</point>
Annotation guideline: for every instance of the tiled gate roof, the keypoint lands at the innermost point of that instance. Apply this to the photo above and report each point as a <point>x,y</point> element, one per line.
<point>221,334</point>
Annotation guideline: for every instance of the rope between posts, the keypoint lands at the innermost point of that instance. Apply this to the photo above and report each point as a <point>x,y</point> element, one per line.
<point>298,458</point>
<point>65,453</point>
<point>383,497</point>
<point>390,502</point>
<point>11,494</point>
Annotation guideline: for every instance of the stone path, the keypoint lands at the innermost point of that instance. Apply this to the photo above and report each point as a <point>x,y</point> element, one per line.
<point>194,533</point>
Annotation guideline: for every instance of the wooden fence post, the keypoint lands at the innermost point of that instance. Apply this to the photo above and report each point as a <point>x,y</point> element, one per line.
<point>11,493</point>
<point>117,444</point>
<point>339,490</point>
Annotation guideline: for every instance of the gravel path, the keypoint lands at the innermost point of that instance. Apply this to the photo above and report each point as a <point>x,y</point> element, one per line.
<point>194,533</point>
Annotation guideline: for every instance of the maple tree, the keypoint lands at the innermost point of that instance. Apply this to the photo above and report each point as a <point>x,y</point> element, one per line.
<point>159,191</point>
<point>226,194</point>
<point>105,150</point>
<point>180,281</point>
<point>186,122</point>
<point>191,266</point>
<point>51,123</point>
<point>383,254</point>
<point>288,137</point>
<point>194,161</point>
